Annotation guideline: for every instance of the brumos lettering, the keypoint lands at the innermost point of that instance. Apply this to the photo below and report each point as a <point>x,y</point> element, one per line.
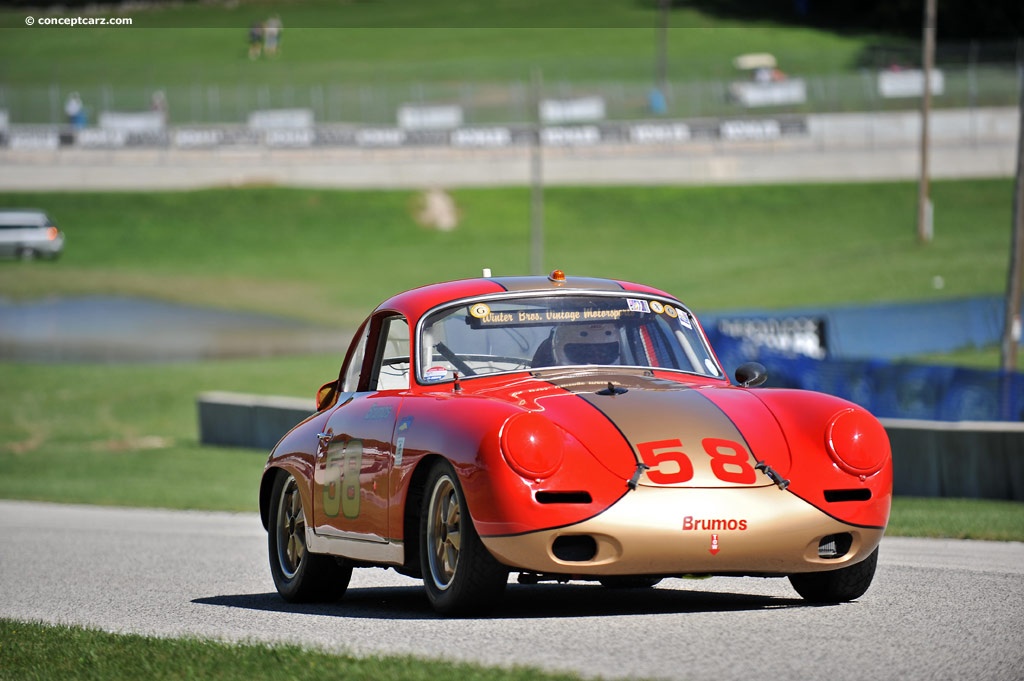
<point>713,524</point>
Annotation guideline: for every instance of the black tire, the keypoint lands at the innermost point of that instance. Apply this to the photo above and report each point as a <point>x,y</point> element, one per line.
<point>460,575</point>
<point>300,576</point>
<point>837,586</point>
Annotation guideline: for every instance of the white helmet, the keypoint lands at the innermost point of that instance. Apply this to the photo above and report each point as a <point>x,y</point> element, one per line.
<point>586,344</point>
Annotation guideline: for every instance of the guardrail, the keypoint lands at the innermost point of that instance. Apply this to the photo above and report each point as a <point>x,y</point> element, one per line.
<point>930,458</point>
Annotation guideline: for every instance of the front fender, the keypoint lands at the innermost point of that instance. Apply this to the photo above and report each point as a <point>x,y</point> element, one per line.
<point>294,454</point>
<point>804,417</point>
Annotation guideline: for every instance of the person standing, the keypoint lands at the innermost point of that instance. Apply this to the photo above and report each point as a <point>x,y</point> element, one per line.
<point>255,40</point>
<point>74,110</point>
<point>272,35</point>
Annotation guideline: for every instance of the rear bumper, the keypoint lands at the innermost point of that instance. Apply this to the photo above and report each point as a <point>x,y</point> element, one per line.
<point>662,531</point>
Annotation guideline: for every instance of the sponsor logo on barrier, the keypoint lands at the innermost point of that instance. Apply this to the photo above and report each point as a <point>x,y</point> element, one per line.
<point>380,137</point>
<point>795,335</point>
<point>188,138</point>
<point>653,133</point>
<point>768,129</point>
<point>481,137</point>
<point>290,138</point>
<point>583,135</point>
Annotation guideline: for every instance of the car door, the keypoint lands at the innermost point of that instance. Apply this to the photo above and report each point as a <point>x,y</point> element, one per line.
<point>355,457</point>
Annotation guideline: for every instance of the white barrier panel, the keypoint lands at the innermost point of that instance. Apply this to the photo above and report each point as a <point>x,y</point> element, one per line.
<point>33,140</point>
<point>583,135</point>
<point>281,119</point>
<point>440,117</point>
<point>578,109</point>
<point>380,137</point>
<point>909,83</point>
<point>481,137</point>
<point>758,130</point>
<point>286,137</point>
<point>132,121</point>
<point>659,133</point>
<point>101,137</point>
<point>791,91</point>
<point>195,138</point>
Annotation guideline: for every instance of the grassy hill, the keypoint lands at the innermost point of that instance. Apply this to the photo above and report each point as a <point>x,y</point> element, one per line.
<point>326,41</point>
<point>329,256</point>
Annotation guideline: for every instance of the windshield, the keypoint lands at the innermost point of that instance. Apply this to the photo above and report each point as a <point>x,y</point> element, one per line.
<point>513,334</point>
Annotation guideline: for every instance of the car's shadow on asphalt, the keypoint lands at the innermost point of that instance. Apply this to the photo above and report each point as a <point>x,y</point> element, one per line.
<point>540,601</point>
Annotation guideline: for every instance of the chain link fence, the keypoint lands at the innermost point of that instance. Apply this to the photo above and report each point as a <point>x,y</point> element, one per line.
<point>509,102</point>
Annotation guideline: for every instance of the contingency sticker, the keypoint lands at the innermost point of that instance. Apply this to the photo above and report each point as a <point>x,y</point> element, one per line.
<point>435,374</point>
<point>480,310</point>
<point>636,305</point>
<point>399,451</point>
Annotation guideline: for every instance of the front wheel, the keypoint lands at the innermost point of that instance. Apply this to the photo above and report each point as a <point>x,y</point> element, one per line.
<point>837,586</point>
<point>300,576</point>
<point>460,575</point>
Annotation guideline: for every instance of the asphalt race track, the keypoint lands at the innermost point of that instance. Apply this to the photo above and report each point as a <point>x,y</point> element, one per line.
<point>938,609</point>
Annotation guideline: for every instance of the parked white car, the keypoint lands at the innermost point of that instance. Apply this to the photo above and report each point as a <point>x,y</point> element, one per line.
<point>29,234</point>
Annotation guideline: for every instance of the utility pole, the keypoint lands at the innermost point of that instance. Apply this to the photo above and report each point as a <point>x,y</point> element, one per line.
<point>925,215</point>
<point>1012,324</point>
<point>537,182</point>
<point>661,68</point>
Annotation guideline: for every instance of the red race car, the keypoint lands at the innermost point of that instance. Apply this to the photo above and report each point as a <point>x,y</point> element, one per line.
<point>566,428</point>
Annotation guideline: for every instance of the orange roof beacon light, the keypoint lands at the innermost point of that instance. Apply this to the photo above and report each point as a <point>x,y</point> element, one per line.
<point>557,276</point>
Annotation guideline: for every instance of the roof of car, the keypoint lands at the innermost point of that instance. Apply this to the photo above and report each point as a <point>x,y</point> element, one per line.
<point>10,216</point>
<point>417,301</point>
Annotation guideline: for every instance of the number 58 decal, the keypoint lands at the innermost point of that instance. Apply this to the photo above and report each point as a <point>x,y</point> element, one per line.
<point>730,461</point>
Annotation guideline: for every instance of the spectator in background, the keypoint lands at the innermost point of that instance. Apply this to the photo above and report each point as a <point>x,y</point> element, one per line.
<point>158,103</point>
<point>272,35</point>
<point>255,40</point>
<point>75,111</point>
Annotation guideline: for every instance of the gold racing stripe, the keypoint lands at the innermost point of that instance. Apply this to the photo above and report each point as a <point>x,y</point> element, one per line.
<point>684,439</point>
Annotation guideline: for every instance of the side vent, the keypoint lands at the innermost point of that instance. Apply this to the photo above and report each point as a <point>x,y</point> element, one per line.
<point>543,497</point>
<point>835,545</point>
<point>575,548</point>
<point>839,495</point>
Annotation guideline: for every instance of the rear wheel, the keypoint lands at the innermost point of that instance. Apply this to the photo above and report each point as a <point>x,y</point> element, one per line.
<point>460,575</point>
<point>837,586</point>
<point>300,576</point>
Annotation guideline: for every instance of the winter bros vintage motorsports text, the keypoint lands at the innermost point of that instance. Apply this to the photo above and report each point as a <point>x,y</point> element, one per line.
<point>566,428</point>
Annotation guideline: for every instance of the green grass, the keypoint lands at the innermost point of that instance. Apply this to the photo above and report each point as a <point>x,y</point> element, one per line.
<point>36,652</point>
<point>127,434</point>
<point>396,41</point>
<point>329,256</point>
<point>957,519</point>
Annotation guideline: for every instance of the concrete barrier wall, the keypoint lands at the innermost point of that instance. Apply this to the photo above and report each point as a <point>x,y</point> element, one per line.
<point>930,458</point>
<point>240,420</point>
<point>970,459</point>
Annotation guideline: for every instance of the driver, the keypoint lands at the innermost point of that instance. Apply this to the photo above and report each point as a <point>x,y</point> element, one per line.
<point>586,344</point>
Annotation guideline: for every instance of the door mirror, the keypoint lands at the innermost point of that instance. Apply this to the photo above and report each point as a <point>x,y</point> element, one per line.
<point>751,374</point>
<point>327,395</point>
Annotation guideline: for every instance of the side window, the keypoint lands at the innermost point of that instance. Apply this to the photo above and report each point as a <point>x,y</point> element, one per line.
<point>350,381</point>
<point>391,370</point>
